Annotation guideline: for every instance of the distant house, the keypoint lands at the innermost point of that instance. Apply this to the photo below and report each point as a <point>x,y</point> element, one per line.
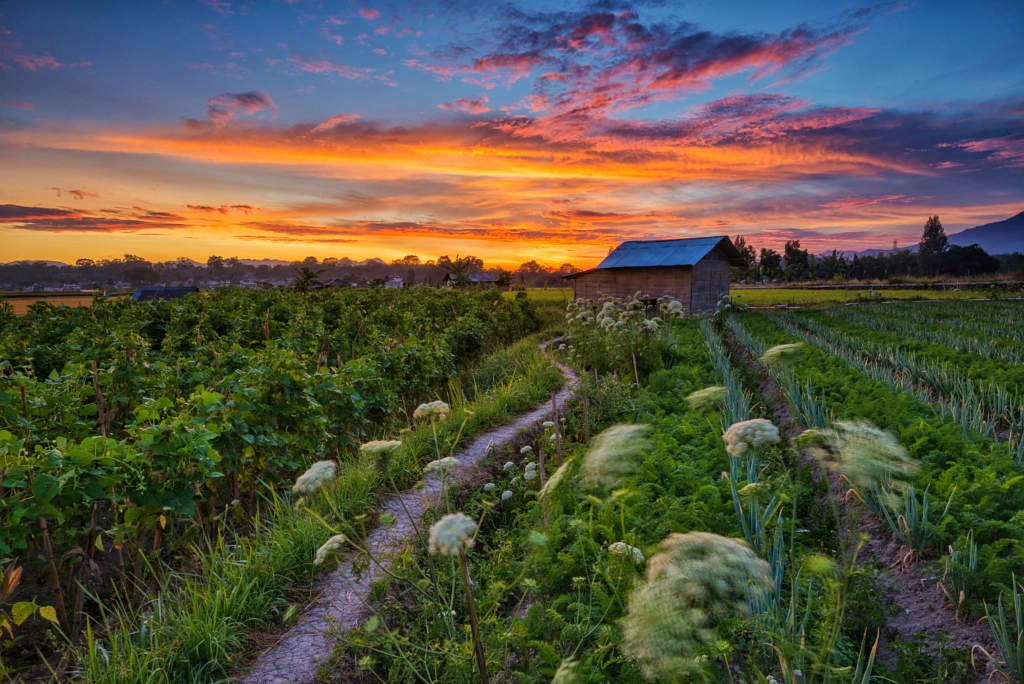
<point>71,287</point>
<point>394,282</point>
<point>338,283</point>
<point>146,294</point>
<point>483,281</point>
<point>695,271</point>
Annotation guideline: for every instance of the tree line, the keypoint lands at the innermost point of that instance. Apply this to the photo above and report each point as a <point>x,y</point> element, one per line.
<point>132,270</point>
<point>934,257</point>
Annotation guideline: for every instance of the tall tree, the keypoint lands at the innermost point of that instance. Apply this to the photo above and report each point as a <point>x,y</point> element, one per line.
<point>770,263</point>
<point>307,280</point>
<point>749,255</point>
<point>933,245</point>
<point>796,260</point>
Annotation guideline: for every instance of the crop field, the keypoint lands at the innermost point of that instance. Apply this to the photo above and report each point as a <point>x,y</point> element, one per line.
<point>827,496</point>
<point>770,296</point>
<point>21,303</point>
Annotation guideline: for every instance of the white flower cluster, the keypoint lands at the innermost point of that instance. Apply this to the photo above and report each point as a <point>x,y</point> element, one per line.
<point>433,410</point>
<point>624,549</point>
<point>442,465</point>
<point>555,481</point>
<point>749,434</point>
<point>318,475</point>
<point>864,454</point>
<point>548,424</point>
<point>566,673</point>
<point>613,314</point>
<point>490,487</point>
<point>707,397</point>
<point>531,471</point>
<point>695,583</point>
<point>780,353</point>
<point>506,495</point>
<point>526,449</point>
<point>380,447</point>
<point>329,547</point>
<point>451,534</point>
<point>614,454</point>
<point>671,307</point>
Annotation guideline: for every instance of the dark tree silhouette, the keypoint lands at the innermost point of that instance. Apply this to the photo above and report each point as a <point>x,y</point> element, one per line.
<point>307,280</point>
<point>933,245</point>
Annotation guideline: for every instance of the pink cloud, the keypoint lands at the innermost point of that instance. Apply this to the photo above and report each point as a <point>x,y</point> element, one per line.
<point>25,60</point>
<point>223,108</point>
<point>219,6</point>
<point>18,104</point>
<point>369,14</point>
<point>335,121</point>
<point>317,64</point>
<point>465,104</point>
<point>1009,150</point>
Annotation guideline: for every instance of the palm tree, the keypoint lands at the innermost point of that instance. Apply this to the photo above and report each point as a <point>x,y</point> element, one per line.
<point>307,280</point>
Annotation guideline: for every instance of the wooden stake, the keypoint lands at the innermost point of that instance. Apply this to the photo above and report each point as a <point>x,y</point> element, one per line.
<point>543,481</point>
<point>636,374</point>
<point>558,430</point>
<point>586,417</point>
<point>62,611</point>
<point>478,646</point>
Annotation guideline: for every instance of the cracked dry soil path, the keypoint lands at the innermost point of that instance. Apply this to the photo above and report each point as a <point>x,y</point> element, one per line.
<point>341,605</point>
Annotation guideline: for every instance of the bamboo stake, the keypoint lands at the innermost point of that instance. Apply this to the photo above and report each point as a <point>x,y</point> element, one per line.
<point>636,374</point>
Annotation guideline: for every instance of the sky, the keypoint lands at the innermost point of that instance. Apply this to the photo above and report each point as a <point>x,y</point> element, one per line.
<point>509,131</point>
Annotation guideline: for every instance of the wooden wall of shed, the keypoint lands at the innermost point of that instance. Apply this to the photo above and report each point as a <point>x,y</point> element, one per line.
<point>710,280</point>
<point>626,282</point>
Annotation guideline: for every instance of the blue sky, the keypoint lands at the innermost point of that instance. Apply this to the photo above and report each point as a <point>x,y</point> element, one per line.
<point>489,127</point>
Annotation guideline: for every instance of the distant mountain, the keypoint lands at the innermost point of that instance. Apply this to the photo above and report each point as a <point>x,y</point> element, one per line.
<point>1001,237</point>
<point>876,252</point>
<point>266,262</point>
<point>26,262</point>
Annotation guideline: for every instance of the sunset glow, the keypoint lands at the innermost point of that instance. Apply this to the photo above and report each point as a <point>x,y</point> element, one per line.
<point>288,129</point>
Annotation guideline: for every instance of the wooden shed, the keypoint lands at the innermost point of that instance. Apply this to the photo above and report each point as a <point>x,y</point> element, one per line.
<point>695,271</point>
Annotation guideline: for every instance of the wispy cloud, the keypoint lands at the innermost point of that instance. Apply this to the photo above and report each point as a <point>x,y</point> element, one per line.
<point>58,220</point>
<point>468,105</point>
<point>223,108</point>
<point>315,63</point>
<point>12,50</point>
<point>18,104</point>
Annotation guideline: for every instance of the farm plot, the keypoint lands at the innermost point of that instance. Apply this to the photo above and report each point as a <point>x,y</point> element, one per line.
<point>140,438</point>
<point>660,549</point>
<point>972,477</point>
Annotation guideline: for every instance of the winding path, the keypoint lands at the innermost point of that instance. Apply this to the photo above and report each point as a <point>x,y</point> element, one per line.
<point>341,605</point>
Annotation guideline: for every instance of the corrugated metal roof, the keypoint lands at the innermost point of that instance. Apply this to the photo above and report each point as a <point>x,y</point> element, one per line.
<point>680,252</point>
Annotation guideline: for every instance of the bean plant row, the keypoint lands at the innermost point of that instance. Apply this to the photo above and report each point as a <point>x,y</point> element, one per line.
<point>132,433</point>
